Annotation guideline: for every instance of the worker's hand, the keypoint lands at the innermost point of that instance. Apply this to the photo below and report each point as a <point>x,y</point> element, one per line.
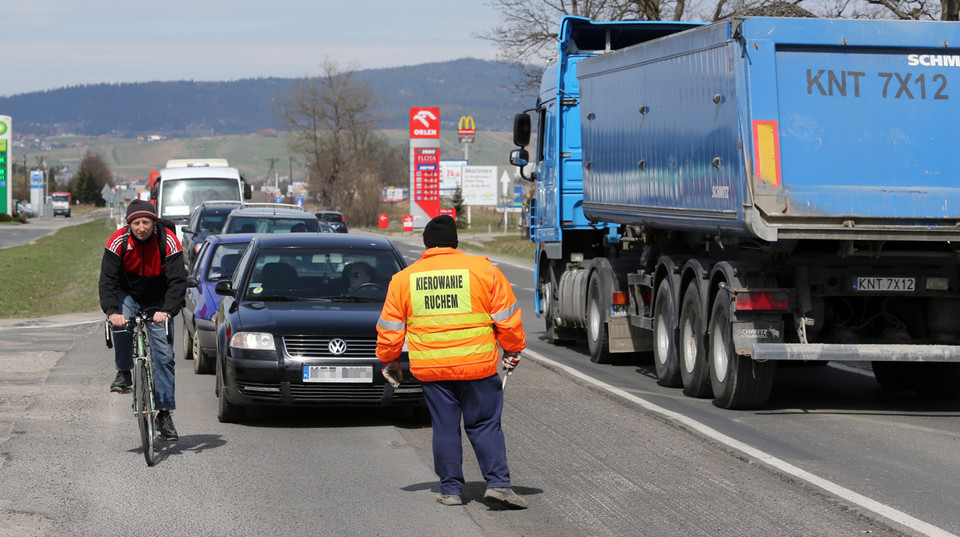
<point>159,316</point>
<point>510,361</point>
<point>393,373</point>
<point>117,320</point>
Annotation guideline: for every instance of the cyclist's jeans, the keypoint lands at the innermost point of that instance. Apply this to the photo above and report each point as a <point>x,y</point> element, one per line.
<point>160,351</point>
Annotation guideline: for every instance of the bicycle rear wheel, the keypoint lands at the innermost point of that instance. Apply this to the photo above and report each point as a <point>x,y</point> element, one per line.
<point>143,408</point>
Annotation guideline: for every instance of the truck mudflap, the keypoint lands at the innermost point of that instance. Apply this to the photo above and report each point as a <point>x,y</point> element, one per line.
<point>856,353</point>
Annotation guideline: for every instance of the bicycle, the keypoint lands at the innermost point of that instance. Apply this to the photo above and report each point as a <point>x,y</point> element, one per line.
<point>144,409</point>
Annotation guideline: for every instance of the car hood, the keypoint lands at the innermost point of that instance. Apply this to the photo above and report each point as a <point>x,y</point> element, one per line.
<point>310,318</point>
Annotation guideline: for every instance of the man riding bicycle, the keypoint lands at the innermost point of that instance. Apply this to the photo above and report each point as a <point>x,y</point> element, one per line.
<point>142,270</point>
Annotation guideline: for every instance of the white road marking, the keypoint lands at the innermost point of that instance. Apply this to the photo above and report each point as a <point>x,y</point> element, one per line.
<point>781,465</point>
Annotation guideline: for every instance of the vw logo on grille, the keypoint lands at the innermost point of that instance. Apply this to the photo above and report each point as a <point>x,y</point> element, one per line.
<point>337,346</point>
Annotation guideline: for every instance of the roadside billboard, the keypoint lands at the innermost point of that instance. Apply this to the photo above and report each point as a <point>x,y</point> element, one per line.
<point>6,188</point>
<point>479,185</point>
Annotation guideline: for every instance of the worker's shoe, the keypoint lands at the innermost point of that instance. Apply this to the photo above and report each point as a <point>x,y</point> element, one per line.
<point>168,433</point>
<point>506,497</point>
<point>122,383</point>
<point>449,499</point>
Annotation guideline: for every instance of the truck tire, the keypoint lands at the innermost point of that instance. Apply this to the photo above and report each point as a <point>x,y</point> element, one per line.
<point>665,337</point>
<point>938,381</point>
<point>547,286</point>
<point>738,382</point>
<point>896,376</point>
<point>694,372</point>
<point>598,338</point>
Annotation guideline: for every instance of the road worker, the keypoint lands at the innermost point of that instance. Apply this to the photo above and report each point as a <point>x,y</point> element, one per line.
<point>454,309</point>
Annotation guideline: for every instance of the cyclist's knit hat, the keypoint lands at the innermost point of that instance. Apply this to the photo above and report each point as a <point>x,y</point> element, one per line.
<point>139,209</point>
<point>441,232</point>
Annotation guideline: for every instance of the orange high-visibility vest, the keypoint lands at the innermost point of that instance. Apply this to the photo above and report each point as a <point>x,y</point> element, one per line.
<point>452,309</point>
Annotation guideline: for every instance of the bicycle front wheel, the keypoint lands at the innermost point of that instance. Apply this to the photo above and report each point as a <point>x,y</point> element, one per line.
<point>143,408</point>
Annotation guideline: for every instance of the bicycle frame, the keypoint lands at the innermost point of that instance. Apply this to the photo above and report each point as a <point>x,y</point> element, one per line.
<point>144,409</point>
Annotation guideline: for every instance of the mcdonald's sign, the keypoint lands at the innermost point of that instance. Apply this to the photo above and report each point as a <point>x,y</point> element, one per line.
<point>466,126</point>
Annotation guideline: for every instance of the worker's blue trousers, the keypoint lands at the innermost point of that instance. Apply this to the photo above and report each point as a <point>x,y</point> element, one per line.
<point>480,404</point>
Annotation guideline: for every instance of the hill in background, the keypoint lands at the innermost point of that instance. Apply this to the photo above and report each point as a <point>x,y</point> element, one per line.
<point>193,109</point>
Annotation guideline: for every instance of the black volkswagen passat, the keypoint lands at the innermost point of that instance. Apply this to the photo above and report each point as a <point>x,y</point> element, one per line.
<point>297,324</point>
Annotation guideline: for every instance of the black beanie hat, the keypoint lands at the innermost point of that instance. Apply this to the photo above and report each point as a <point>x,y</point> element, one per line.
<point>441,232</point>
<point>139,208</point>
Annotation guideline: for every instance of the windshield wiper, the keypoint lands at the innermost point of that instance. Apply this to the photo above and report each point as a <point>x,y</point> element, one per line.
<point>276,298</point>
<point>354,298</point>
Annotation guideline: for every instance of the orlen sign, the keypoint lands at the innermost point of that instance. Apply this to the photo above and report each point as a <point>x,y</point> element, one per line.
<point>424,123</point>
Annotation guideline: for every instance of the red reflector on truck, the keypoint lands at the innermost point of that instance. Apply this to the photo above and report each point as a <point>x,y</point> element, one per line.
<point>618,298</point>
<point>762,300</point>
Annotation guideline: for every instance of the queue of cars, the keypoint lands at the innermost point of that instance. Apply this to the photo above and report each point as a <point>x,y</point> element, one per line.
<point>283,309</point>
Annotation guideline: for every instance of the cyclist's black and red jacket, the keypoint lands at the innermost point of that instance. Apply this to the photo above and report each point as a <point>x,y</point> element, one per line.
<point>143,273</point>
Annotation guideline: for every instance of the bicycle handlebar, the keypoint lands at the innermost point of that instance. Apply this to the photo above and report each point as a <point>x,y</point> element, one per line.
<point>144,316</point>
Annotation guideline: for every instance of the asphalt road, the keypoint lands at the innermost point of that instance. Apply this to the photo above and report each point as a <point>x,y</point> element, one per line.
<point>597,450</point>
<point>35,228</point>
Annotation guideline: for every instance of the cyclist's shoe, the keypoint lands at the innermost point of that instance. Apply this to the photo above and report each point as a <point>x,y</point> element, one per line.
<point>122,383</point>
<point>168,433</point>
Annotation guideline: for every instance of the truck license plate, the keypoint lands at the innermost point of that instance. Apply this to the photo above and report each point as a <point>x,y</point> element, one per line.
<point>871,283</point>
<point>337,373</point>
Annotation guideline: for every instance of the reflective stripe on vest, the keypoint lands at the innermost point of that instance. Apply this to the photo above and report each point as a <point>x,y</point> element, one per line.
<point>449,335</point>
<point>438,354</point>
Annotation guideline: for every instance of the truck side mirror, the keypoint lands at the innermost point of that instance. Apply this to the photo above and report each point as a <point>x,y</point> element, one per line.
<point>154,192</point>
<point>521,130</point>
<point>247,192</point>
<point>519,157</point>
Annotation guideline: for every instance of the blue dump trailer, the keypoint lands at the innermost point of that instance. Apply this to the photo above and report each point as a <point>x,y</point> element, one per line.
<point>733,195</point>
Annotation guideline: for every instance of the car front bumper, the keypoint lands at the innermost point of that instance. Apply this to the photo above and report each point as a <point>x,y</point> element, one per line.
<point>280,382</point>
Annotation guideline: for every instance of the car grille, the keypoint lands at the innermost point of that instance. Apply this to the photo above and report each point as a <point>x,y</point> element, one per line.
<point>319,347</point>
<point>328,393</point>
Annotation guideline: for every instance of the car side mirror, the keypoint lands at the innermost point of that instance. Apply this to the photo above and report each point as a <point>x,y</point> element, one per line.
<point>192,281</point>
<point>188,229</point>
<point>224,288</point>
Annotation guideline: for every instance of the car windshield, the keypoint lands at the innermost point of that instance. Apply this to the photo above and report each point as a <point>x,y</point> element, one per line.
<point>271,224</point>
<point>212,222</point>
<point>332,217</point>
<point>224,260</point>
<point>321,273</point>
<point>178,198</point>
<point>61,197</point>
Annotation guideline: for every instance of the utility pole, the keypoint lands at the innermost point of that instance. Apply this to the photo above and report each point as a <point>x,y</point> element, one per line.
<point>276,178</point>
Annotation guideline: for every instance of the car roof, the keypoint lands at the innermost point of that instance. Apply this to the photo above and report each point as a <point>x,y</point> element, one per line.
<point>329,212</point>
<point>231,237</point>
<point>341,240</point>
<point>269,211</point>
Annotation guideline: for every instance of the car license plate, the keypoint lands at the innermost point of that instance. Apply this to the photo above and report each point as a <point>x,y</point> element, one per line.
<point>337,373</point>
<point>872,283</point>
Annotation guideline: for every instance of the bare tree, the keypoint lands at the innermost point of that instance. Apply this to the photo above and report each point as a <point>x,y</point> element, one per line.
<point>334,121</point>
<point>526,37</point>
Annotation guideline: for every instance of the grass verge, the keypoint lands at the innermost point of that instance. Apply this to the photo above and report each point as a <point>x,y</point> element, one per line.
<point>56,274</point>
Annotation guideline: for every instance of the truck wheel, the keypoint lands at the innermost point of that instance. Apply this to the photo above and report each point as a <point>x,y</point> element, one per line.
<point>738,382</point>
<point>896,376</point>
<point>547,286</point>
<point>598,339</point>
<point>694,372</point>
<point>187,342</point>
<point>665,337</point>
<point>939,381</point>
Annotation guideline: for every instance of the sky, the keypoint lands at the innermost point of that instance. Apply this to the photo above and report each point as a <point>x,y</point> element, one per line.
<point>50,44</point>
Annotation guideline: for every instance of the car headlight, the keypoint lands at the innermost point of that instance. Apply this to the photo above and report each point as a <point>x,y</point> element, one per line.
<point>258,341</point>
